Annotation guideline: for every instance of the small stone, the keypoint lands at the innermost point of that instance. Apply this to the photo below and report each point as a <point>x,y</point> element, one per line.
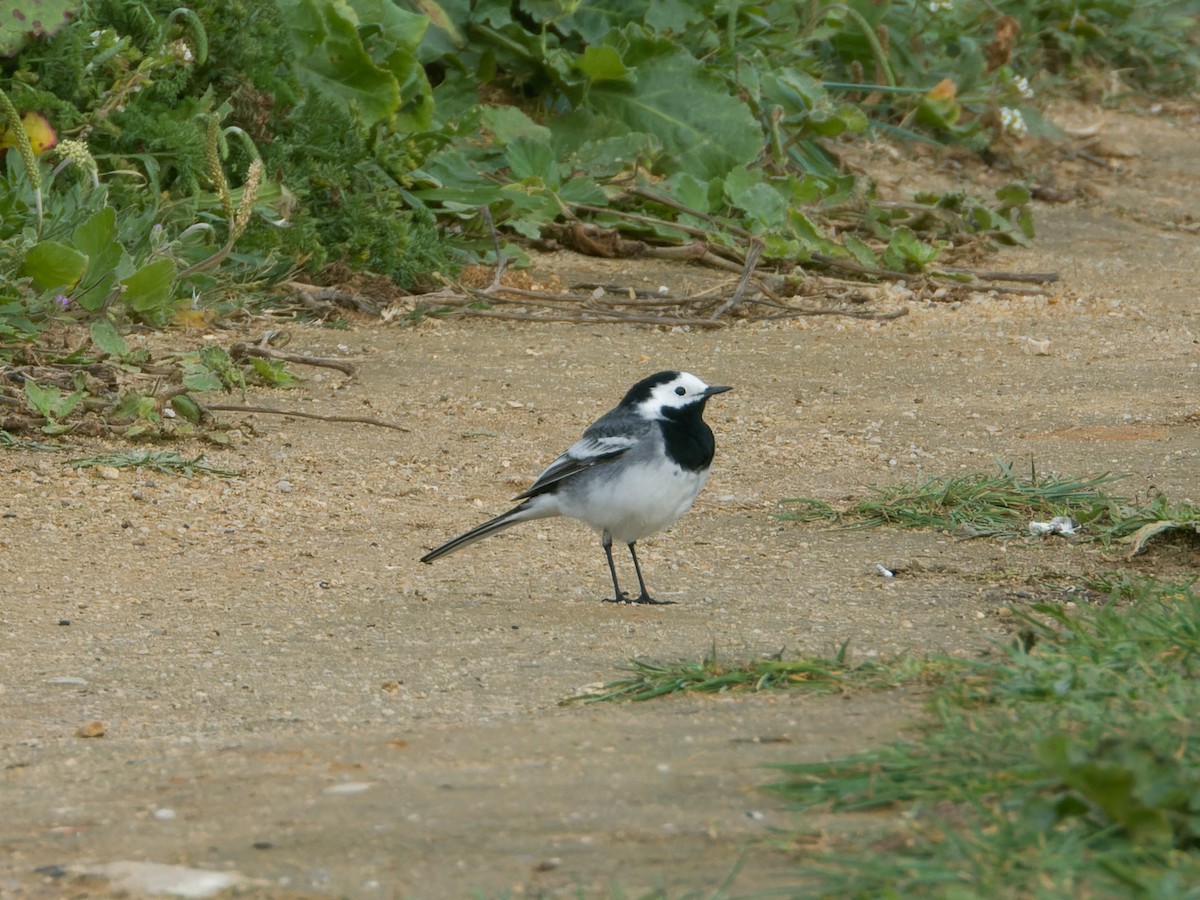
<point>93,729</point>
<point>157,879</point>
<point>350,787</point>
<point>164,814</point>
<point>67,679</point>
<point>284,486</point>
<point>108,473</point>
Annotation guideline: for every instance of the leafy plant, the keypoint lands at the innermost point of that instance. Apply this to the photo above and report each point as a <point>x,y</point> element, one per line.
<point>703,123</point>
<point>52,404</point>
<point>712,675</point>
<point>1070,768</point>
<point>977,505</point>
<point>168,462</point>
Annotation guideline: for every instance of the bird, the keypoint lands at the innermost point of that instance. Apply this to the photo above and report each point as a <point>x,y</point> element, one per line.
<point>634,471</point>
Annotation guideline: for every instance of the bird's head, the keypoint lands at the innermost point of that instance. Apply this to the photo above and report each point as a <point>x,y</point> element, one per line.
<point>666,392</point>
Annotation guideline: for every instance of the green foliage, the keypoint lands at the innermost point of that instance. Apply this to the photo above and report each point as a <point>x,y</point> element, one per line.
<point>52,404</point>
<point>1068,769</point>
<point>23,20</point>
<point>976,505</point>
<point>711,675</point>
<point>704,122</point>
<point>362,54</point>
<point>310,132</point>
<point>1152,42</point>
<point>167,462</point>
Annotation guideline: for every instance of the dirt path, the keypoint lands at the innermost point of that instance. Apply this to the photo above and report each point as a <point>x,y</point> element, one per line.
<point>286,693</point>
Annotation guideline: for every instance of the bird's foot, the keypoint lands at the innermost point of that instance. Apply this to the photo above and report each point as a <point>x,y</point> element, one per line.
<point>644,598</point>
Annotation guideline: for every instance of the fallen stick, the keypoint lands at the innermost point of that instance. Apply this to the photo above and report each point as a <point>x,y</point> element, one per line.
<point>239,350</point>
<point>268,410</point>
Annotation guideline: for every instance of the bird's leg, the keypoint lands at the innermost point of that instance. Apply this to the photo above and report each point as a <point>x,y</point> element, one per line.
<point>644,597</point>
<point>618,597</point>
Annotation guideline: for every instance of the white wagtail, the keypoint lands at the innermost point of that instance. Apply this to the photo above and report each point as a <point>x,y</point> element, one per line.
<point>634,472</point>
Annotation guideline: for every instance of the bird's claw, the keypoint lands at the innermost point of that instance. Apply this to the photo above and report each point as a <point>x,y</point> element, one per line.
<point>644,599</point>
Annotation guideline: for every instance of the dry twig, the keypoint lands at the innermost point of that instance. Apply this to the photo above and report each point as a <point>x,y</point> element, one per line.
<point>240,349</point>
<point>269,410</point>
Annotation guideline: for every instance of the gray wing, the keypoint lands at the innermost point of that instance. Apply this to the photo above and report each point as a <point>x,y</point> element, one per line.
<point>607,439</point>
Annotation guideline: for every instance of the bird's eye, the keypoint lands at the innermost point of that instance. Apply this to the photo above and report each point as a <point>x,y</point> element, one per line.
<point>681,390</point>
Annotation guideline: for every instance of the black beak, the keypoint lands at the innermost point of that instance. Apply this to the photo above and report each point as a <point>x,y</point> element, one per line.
<point>717,389</point>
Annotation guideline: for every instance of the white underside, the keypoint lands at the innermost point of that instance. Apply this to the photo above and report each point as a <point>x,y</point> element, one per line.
<point>635,501</point>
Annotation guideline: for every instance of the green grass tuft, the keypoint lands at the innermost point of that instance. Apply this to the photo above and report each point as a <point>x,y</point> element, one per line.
<point>712,675</point>
<point>977,505</point>
<point>1071,769</point>
<point>166,461</point>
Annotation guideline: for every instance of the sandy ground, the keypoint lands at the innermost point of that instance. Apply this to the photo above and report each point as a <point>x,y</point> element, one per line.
<point>287,694</point>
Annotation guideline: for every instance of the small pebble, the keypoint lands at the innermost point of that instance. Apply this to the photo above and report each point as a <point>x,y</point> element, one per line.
<point>93,729</point>
<point>284,486</point>
<point>350,787</point>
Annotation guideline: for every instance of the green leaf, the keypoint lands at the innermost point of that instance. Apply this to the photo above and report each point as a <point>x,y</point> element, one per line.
<point>696,194</point>
<point>907,252</point>
<point>271,372</point>
<point>746,190</point>
<point>852,117</point>
<point>673,15</point>
<point>860,251</point>
<point>37,20</point>
<point>609,156</point>
<point>106,339</point>
<point>333,62</point>
<point>583,190</point>
<point>507,123</point>
<point>391,36</point>
<point>66,405</point>
<point>148,290</point>
<point>1013,195</point>
<point>41,399</point>
<point>96,236</point>
<point>703,128</point>
<point>603,64</point>
<point>809,233</point>
<point>530,159</point>
<point>49,402</point>
<point>54,265</point>
<point>202,380</point>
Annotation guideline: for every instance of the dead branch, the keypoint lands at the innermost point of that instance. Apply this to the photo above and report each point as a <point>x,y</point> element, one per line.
<point>501,260</point>
<point>753,252</point>
<point>268,410</point>
<point>241,349</point>
<point>315,297</point>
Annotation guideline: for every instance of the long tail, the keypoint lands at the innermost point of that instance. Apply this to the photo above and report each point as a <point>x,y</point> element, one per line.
<point>533,508</point>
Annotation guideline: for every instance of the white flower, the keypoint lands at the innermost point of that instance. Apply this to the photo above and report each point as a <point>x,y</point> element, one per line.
<point>1021,83</point>
<point>182,52</point>
<point>937,6</point>
<point>1013,122</point>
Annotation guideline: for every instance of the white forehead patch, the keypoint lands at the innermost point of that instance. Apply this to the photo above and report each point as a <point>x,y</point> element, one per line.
<point>668,396</point>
